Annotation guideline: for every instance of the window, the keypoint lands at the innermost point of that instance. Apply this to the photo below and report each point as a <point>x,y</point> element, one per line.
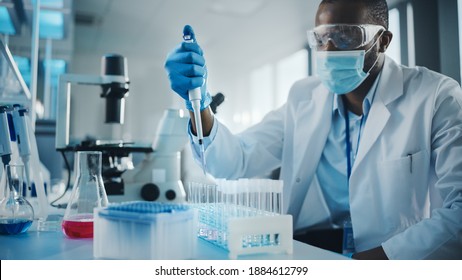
<point>270,85</point>
<point>6,24</point>
<point>288,71</point>
<point>459,13</point>
<point>394,50</point>
<point>51,71</point>
<point>51,19</point>
<point>401,24</point>
<point>23,64</point>
<point>261,92</point>
<point>410,35</point>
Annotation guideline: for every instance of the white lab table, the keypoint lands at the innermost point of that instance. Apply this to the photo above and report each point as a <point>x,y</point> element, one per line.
<point>54,245</point>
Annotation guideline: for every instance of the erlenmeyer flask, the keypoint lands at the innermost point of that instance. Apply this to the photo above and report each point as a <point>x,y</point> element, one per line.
<point>88,193</point>
<point>16,213</point>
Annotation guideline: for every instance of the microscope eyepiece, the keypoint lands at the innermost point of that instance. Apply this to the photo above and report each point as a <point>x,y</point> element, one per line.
<point>114,64</point>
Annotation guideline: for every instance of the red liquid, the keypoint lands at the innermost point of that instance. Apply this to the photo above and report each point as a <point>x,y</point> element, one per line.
<point>78,229</point>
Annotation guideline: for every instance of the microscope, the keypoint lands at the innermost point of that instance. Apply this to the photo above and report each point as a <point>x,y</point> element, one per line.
<point>114,83</point>
<point>157,178</point>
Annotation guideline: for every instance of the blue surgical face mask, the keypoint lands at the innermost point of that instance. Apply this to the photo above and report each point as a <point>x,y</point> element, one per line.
<point>342,71</point>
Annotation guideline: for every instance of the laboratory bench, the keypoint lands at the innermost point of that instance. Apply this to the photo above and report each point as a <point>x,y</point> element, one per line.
<point>54,245</point>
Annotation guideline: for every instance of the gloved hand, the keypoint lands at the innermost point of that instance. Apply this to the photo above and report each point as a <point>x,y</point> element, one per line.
<point>186,70</point>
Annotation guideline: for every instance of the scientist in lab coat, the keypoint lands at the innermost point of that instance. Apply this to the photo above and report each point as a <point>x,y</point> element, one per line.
<point>365,138</point>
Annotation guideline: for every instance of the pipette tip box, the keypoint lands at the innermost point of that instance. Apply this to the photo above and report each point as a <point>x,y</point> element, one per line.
<point>145,230</point>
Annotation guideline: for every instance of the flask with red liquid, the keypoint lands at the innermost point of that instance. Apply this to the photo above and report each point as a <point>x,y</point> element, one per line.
<point>87,193</point>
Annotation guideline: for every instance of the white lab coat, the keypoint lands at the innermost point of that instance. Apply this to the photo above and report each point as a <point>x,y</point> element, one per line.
<point>406,182</point>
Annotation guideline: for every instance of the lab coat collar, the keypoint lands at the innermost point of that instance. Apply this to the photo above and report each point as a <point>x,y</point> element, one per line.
<point>391,83</point>
<point>389,88</point>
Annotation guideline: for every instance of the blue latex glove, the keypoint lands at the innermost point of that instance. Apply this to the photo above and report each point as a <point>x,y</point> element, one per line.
<point>186,70</point>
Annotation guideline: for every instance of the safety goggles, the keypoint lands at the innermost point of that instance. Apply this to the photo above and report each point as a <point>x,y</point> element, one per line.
<point>342,36</point>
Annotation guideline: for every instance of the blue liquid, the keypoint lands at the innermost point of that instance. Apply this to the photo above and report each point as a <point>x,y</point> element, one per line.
<point>14,226</point>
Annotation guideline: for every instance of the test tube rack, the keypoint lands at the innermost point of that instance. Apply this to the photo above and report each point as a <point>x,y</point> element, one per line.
<point>242,216</point>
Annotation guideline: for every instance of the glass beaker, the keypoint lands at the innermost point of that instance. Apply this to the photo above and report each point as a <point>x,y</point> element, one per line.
<point>16,213</point>
<point>88,193</point>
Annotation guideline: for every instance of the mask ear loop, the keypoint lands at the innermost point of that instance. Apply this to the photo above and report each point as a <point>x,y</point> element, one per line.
<point>377,60</point>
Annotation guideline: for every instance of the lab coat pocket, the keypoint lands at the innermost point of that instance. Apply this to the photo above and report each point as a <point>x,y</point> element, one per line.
<point>404,189</point>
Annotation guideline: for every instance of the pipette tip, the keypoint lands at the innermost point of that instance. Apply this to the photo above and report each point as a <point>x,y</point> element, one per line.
<point>204,167</point>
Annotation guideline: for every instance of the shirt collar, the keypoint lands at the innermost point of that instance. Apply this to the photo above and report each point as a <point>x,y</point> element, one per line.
<point>367,103</point>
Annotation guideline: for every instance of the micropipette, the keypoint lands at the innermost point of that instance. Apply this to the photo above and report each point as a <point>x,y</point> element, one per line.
<point>22,138</point>
<point>195,99</point>
<point>5,144</point>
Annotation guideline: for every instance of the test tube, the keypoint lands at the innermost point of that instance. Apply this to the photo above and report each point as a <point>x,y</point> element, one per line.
<point>224,228</point>
<point>240,200</point>
<point>257,198</point>
<point>202,197</point>
<point>263,191</point>
<point>245,199</point>
<point>210,204</point>
<point>271,192</point>
<point>218,214</point>
<point>234,196</point>
<point>279,187</point>
<point>269,208</point>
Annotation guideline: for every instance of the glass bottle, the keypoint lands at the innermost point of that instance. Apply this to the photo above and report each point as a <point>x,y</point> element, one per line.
<point>16,213</point>
<point>87,193</point>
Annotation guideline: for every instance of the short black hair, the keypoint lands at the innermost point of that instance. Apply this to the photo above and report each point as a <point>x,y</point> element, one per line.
<point>378,9</point>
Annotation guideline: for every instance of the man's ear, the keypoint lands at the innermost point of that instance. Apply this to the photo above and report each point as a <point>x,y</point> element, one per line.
<point>385,41</point>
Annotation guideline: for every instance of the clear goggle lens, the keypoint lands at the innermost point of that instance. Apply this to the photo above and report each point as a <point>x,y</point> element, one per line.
<point>342,36</point>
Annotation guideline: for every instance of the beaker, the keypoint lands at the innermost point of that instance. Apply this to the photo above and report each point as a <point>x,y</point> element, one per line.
<point>16,213</point>
<point>87,193</point>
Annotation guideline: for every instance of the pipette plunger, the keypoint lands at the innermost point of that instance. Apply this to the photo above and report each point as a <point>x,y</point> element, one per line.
<point>195,99</point>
